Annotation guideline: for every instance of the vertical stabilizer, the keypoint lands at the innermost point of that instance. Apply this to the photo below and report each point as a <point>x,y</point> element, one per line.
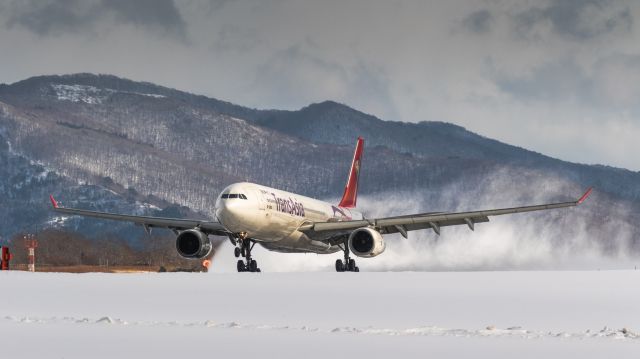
<point>351,190</point>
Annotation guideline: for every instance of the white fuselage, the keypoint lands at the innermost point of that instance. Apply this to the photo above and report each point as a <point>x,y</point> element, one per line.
<point>272,217</point>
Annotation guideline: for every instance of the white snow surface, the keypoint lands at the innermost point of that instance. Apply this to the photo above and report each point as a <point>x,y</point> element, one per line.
<point>79,93</point>
<point>579,314</point>
<point>89,94</point>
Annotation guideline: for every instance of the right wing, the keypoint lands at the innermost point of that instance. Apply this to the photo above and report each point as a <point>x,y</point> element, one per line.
<point>175,224</point>
<point>403,224</point>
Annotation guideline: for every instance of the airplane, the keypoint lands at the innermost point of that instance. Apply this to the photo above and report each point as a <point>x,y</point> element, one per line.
<point>280,221</point>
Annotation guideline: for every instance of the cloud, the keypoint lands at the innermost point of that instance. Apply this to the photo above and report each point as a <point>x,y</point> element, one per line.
<point>303,75</point>
<point>618,79</point>
<point>551,82</point>
<point>58,17</point>
<point>155,14</point>
<point>478,21</point>
<point>612,82</point>
<point>51,17</point>
<point>575,19</point>
<point>298,67</point>
<point>215,5</point>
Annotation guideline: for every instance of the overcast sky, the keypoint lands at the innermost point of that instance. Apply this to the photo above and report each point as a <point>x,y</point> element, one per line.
<point>557,77</point>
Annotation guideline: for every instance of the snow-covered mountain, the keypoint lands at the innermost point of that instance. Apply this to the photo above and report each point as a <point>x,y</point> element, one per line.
<point>98,141</point>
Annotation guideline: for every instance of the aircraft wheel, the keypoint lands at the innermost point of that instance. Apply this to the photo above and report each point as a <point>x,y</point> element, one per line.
<point>339,265</point>
<point>352,265</point>
<point>258,270</point>
<point>241,266</point>
<point>357,269</point>
<point>253,266</point>
<point>236,252</point>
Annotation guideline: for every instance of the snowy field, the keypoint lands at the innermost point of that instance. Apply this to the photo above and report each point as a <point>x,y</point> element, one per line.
<point>580,314</point>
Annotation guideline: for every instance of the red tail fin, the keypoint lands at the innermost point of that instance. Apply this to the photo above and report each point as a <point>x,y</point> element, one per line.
<point>53,201</point>
<point>351,190</point>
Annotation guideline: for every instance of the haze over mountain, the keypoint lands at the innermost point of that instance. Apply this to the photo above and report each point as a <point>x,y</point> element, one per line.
<point>106,143</point>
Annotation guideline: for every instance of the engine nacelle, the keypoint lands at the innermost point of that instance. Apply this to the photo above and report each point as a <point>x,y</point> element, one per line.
<point>366,242</point>
<point>192,243</point>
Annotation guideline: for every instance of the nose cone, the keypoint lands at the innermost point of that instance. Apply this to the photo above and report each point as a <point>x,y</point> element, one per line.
<point>230,213</point>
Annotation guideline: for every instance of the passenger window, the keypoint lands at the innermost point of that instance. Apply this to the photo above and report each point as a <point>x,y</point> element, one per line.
<point>225,196</point>
<point>233,195</point>
<point>242,196</point>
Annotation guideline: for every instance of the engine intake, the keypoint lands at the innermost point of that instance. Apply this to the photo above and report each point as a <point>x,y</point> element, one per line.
<point>366,242</point>
<point>192,243</point>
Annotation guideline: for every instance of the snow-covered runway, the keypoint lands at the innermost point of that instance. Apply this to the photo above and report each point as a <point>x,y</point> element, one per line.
<point>466,314</point>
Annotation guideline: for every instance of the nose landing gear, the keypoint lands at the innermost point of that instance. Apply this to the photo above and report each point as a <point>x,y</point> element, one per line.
<point>244,247</point>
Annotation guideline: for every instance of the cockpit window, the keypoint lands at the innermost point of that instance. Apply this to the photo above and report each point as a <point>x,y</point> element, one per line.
<point>233,195</point>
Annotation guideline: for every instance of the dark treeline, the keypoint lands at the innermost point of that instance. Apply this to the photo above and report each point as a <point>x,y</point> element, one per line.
<point>58,248</point>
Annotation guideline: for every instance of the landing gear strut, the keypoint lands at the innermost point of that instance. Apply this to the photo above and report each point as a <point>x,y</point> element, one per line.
<point>245,245</point>
<point>349,264</point>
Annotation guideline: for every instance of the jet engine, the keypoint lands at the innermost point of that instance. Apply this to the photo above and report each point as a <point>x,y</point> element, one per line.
<point>192,243</point>
<point>366,242</point>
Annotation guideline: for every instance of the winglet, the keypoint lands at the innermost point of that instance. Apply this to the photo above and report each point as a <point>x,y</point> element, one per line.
<point>585,195</point>
<point>53,201</point>
<point>351,189</point>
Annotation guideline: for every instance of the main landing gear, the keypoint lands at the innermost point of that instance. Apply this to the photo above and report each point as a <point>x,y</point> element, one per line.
<point>349,264</point>
<point>243,248</point>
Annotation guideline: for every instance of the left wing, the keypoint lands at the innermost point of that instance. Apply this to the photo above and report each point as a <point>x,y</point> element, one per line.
<point>207,227</point>
<point>413,222</point>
